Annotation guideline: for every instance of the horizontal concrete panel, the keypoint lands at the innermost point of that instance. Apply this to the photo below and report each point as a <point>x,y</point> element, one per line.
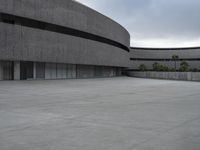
<point>163,53</point>
<point>67,13</point>
<point>28,44</point>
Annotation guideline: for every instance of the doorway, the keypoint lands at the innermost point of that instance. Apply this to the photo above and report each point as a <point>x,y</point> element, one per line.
<point>26,70</point>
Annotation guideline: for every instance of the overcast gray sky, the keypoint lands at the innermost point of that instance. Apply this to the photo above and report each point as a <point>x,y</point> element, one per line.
<point>155,23</point>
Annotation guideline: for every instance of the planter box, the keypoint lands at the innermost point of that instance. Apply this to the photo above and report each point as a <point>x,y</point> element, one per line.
<point>187,76</point>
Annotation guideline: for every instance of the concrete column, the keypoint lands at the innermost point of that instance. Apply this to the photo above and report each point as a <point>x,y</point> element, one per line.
<point>16,70</point>
<point>34,71</point>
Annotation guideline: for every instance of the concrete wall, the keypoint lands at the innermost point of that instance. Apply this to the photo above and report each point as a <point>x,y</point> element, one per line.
<point>193,52</point>
<point>67,13</point>
<point>1,71</point>
<point>188,76</point>
<point>150,53</point>
<point>20,43</point>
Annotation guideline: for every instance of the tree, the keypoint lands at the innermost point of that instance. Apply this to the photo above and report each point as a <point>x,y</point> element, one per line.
<point>160,67</point>
<point>142,67</point>
<point>194,70</point>
<point>184,66</point>
<point>155,66</point>
<point>175,58</point>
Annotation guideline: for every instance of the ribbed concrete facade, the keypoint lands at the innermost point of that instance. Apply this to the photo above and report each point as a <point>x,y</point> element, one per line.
<point>59,36</point>
<point>148,56</point>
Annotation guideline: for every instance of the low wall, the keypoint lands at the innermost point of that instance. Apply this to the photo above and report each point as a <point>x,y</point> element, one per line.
<point>188,76</point>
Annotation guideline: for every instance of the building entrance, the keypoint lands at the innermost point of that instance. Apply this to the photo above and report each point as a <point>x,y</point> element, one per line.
<point>26,70</point>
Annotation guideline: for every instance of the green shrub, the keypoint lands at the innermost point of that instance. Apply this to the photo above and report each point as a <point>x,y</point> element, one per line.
<point>184,66</point>
<point>194,70</point>
<point>172,70</point>
<point>155,66</point>
<point>160,67</point>
<point>142,67</point>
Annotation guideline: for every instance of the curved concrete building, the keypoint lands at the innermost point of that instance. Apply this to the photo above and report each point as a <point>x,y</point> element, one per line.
<point>148,56</point>
<point>58,39</point>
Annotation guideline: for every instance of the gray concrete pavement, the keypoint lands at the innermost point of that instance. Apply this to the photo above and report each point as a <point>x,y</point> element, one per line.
<point>100,114</point>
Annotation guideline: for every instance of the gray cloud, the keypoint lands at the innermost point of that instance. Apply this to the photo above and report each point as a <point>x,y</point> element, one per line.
<point>155,23</point>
